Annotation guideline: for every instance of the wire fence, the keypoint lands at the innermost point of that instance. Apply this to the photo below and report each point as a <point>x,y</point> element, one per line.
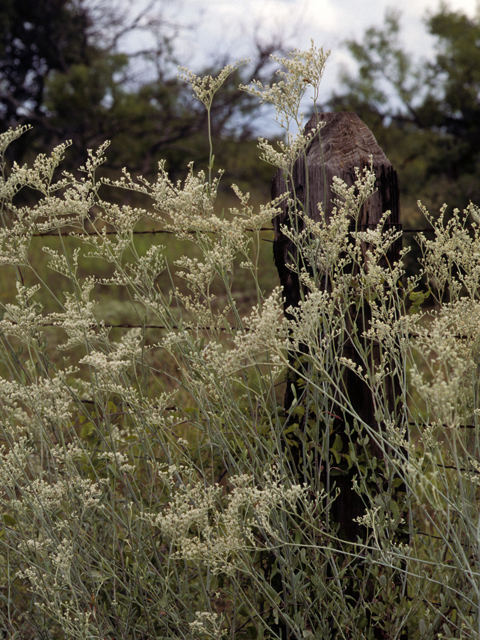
<point>165,231</point>
<point>126,325</point>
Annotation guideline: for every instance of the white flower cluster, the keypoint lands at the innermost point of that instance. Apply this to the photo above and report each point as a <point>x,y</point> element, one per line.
<point>208,623</point>
<point>109,369</point>
<point>196,393</point>
<point>119,460</point>
<point>205,87</point>
<point>450,345</point>
<point>303,69</point>
<point>451,259</point>
<point>42,498</point>
<point>45,400</point>
<point>285,157</point>
<point>13,466</point>
<point>265,333</point>
<point>202,523</point>
<point>23,320</point>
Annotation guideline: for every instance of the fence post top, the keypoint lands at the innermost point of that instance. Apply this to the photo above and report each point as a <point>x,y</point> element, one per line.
<point>346,142</point>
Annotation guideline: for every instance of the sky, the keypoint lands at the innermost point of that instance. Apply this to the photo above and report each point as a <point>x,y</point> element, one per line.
<point>230,25</point>
<point>226,29</point>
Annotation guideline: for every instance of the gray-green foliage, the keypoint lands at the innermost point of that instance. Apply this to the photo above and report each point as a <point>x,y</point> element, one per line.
<point>153,485</point>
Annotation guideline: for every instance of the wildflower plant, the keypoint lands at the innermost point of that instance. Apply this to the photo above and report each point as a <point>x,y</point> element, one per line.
<point>152,482</point>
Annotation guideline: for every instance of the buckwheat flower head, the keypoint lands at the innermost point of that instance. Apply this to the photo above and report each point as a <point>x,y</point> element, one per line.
<point>148,267</point>
<point>67,453</point>
<point>49,398</point>
<point>38,544</point>
<point>315,321</point>
<point>303,69</point>
<point>265,332</point>
<point>108,369</point>
<point>474,211</point>
<point>13,465</point>
<point>350,364</point>
<point>451,260</point>
<point>251,506</point>
<point>72,208</point>
<point>205,88</point>
<point>202,523</point>
<point>189,205</point>
<point>78,319</point>
<point>287,154</point>
<point>119,460</point>
<point>22,320</point>
<point>41,497</point>
<point>208,623</point>
<point>62,558</point>
<point>7,137</point>
<point>450,349</point>
<point>40,176</point>
<point>14,245</point>
<point>352,198</point>
<point>369,518</point>
<point>322,243</point>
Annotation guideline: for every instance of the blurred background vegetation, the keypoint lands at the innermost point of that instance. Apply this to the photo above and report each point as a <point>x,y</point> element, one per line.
<point>425,115</point>
<point>64,68</point>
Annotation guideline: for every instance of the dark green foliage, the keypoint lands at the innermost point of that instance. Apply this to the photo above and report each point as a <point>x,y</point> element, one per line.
<point>63,70</point>
<point>35,39</point>
<point>425,115</point>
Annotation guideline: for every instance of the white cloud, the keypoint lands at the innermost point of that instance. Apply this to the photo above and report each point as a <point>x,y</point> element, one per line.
<point>227,28</point>
<point>228,25</point>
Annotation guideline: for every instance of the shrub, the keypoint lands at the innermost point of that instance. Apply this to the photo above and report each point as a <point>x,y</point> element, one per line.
<point>153,485</point>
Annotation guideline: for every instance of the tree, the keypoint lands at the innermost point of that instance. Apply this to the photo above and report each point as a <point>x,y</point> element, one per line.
<point>426,115</point>
<point>35,40</point>
<point>65,71</point>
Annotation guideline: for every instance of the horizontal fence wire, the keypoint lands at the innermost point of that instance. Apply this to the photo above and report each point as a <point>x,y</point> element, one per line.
<point>128,325</point>
<point>57,233</point>
<point>159,231</point>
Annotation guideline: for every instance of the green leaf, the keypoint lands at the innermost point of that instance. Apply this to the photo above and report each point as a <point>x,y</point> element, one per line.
<point>338,444</point>
<point>299,411</point>
<point>417,298</point>
<point>97,575</point>
<point>337,456</point>
<point>291,428</point>
<point>394,509</point>
<point>352,453</point>
<point>87,430</point>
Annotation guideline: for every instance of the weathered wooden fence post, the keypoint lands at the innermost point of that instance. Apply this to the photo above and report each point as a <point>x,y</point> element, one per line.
<point>345,142</point>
